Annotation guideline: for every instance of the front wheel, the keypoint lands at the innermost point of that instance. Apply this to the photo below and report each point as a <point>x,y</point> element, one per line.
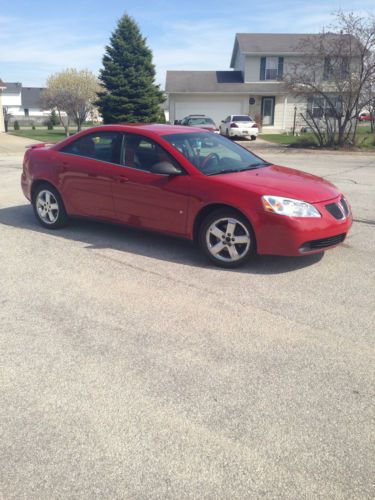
<point>49,207</point>
<point>227,238</point>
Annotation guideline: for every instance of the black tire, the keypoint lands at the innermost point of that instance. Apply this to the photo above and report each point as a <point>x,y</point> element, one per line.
<point>253,137</point>
<point>221,248</point>
<point>49,207</point>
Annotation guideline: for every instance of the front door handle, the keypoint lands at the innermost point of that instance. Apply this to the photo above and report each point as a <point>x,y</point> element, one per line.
<point>121,178</point>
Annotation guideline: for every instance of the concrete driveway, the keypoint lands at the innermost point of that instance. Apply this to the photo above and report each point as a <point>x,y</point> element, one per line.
<point>132,369</point>
<point>12,145</point>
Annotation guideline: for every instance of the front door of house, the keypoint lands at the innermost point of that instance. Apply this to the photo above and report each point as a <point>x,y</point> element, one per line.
<point>268,110</point>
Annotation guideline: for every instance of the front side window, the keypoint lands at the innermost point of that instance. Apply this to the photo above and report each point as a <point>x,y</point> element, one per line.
<point>102,146</point>
<point>213,154</point>
<point>143,153</point>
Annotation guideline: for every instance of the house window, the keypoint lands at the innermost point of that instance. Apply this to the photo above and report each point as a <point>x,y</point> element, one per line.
<point>336,68</point>
<point>271,68</point>
<point>26,112</point>
<point>318,107</point>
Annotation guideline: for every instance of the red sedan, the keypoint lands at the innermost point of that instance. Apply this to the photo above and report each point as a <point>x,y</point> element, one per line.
<point>365,117</point>
<point>189,183</point>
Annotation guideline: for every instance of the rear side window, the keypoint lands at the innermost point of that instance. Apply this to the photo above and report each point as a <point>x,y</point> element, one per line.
<point>102,146</point>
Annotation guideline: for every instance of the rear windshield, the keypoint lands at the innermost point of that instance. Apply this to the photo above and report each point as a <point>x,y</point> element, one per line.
<point>242,118</point>
<point>200,121</point>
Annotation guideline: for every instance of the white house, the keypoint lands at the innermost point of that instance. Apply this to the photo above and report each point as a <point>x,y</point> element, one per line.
<point>23,103</point>
<point>253,86</point>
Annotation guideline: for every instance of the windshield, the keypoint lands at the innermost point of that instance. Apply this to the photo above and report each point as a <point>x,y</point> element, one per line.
<point>213,154</point>
<point>242,118</point>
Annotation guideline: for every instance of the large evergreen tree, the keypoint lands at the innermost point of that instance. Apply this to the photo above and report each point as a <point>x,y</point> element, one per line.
<point>128,77</point>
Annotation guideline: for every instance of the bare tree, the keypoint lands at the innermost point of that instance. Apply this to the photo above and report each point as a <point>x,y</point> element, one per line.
<point>72,93</point>
<point>332,76</point>
<point>57,99</point>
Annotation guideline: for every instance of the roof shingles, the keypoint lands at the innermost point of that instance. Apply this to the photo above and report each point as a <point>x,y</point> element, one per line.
<point>217,81</point>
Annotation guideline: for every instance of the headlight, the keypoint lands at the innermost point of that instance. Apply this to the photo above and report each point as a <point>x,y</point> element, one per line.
<point>289,207</point>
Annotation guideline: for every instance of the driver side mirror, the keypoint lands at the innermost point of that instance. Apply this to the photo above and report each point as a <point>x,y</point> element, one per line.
<point>165,168</point>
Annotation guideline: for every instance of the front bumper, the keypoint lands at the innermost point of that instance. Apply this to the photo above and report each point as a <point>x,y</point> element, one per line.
<point>295,236</point>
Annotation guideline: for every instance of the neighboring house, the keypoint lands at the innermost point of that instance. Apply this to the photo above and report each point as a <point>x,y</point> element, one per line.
<point>254,85</point>
<point>23,103</point>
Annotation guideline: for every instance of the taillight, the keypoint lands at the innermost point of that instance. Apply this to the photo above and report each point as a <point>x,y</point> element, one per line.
<point>254,126</point>
<point>233,125</point>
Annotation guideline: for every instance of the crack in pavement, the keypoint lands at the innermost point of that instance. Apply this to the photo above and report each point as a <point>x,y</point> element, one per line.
<point>371,164</point>
<point>365,221</point>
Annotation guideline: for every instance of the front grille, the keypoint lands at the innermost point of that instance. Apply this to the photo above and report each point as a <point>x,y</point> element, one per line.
<point>335,210</point>
<point>323,243</point>
<point>345,206</point>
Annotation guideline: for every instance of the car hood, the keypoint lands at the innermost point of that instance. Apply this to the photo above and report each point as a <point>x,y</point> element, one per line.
<point>282,181</point>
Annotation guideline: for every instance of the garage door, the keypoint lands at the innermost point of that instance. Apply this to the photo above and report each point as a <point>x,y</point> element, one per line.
<point>217,110</point>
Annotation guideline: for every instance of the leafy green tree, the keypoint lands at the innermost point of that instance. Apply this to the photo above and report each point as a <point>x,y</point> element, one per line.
<point>128,77</point>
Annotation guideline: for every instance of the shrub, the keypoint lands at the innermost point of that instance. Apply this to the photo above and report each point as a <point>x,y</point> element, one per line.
<point>32,126</point>
<point>54,118</point>
<point>16,125</point>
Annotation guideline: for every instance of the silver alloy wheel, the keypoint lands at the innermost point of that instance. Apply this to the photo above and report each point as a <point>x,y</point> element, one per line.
<point>47,206</point>
<point>228,239</point>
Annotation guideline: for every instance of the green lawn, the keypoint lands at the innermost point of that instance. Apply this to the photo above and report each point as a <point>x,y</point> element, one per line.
<point>42,134</point>
<point>365,139</point>
<point>286,139</point>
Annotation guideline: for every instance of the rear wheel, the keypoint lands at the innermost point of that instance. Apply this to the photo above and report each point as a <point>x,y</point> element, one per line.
<point>227,238</point>
<point>48,207</point>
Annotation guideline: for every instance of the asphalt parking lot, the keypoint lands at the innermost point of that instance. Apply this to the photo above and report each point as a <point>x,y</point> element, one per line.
<point>132,369</point>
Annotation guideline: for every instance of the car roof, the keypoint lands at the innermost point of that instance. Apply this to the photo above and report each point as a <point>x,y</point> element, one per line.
<point>148,129</point>
<point>153,128</point>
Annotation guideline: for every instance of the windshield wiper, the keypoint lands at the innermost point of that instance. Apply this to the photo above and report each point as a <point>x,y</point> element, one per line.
<point>253,166</point>
<point>256,165</point>
<point>225,171</point>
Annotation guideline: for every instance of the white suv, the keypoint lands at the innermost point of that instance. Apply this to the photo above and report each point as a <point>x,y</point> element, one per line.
<point>239,126</point>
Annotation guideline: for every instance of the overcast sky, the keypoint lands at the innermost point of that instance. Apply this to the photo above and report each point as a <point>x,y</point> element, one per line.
<point>39,37</point>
